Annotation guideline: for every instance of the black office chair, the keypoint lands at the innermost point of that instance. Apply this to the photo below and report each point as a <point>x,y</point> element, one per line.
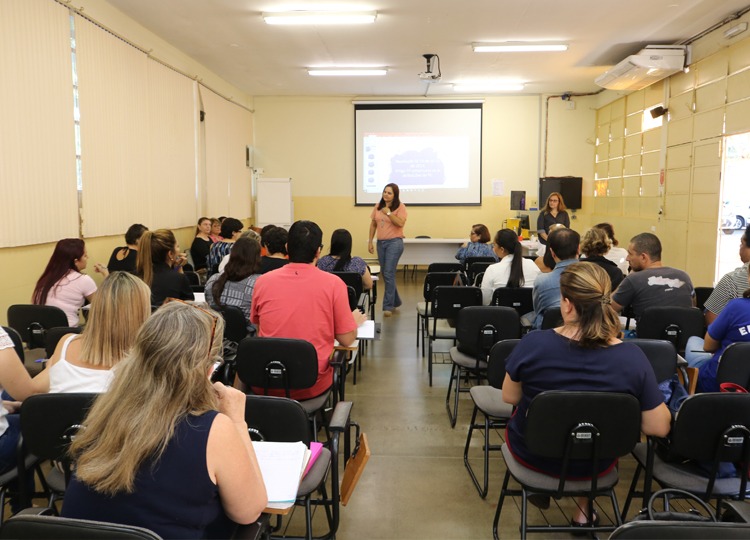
<point>32,322</point>
<point>661,355</point>
<point>488,399</point>
<point>709,429</point>
<point>597,427</point>
<point>54,335</point>
<point>552,318</point>
<point>454,267</point>
<point>33,527</point>
<point>701,295</point>
<point>431,281</point>
<point>447,301</point>
<point>478,328</point>
<point>235,330</point>
<point>284,420</point>
<point>48,424</point>
<point>673,323</point>
<point>195,281</point>
<point>734,365</point>
<point>519,298</point>
<point>15,337</point>
<point>285,365</point>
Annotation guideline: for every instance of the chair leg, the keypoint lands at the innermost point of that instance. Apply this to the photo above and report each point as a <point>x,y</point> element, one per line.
<point>455,377</point>
<point>631,493</point>
<point>308,519</point>
<point>500,507</point>
<point>472,426</point>
<point>429,361</point>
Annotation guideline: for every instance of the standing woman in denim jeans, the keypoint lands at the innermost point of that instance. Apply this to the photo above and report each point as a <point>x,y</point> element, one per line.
<point>388,219</point>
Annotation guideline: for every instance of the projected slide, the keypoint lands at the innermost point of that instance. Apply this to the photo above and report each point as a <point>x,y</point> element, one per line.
<point>432,151</point>
<point>411,160</point>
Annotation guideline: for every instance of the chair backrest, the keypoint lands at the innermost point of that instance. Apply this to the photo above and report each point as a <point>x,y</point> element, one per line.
<point>352,296</point>
<point>673,323</point>
<point>449,300</point>
<point>477,267</point>
<point>32,322</point>
<point>680,530</point>
<point>32,527</point>
<point>54,335</point>
<point>478,328</point>
<point>277,363</point>
<point>444,267</point>
<point>193,278</point>
<point>701,295</point>
<point>15,337</point>
<point>734,365</point>
<point>713,425</point>
<point>478,279</point>
<point>552,318</point>
<point>519,298</point>
<point>276,419</point>
<point>235,324</point>
<point>471,260</point>
<point>352,279</point>
<point>436,279</point>
<point>50,421</point>
<point>583,425</point>
<point>496,363</point>
<point>661,355</point>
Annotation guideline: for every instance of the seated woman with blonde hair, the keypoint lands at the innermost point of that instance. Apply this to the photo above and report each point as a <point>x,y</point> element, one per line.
<point>583,354</point>
<point>86,362</point>
<point>164,448</point>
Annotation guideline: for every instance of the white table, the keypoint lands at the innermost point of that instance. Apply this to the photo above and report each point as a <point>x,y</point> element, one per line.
<point>429,250</point>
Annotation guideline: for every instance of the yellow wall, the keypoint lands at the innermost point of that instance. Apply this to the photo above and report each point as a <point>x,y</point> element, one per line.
<point>311,140</point>
<point>708,102</point>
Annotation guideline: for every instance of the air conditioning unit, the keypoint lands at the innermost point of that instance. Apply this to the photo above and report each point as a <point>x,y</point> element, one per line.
<point>650,65</point>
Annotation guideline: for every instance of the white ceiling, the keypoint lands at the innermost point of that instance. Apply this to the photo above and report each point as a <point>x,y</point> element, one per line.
<point>230,38</point>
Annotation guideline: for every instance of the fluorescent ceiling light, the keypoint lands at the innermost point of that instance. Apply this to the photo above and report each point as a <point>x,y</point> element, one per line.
<point>346,72</point>
<point>519,46</point>
<point>488,86</point>
<point>320,17</point>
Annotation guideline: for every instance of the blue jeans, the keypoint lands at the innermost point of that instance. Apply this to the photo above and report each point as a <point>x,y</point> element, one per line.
<point>694,353</point>
<point>9,443</point>
<point>389,252</point>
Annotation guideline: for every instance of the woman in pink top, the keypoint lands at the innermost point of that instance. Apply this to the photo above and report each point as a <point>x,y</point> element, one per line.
<point>388,219</point>
<point>62,284</point>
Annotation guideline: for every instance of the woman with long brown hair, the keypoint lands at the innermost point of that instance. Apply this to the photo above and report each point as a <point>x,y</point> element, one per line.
<point>164,448</point>
<point>160,265</point>
<point>553,212</point>
<point>387,220</point>
<point>583,354</point>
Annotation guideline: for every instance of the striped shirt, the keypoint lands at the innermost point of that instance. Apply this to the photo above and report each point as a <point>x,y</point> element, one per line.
<point>730,286</point>
<point>235,293</point>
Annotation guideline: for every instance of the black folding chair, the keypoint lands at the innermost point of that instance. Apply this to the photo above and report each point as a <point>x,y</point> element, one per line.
<point>284,420</point>
<point>597,427</point>
<point>701,295</point>
<point>661,355</point>
<point>195,281</point>
<point>478,328</point>
<point>33,527</point>
<point>470,270</point>
<point>552,318</point>
<point>673,323</point>
<point>488,399</point>
<point>447,301</point>
<point>519,298</point>
<point>32,322</point>
<point>15,337</point>
<point>431,281</point>
<point>354,280</point>
<point>734,365</point>
<point>282,364</point>
<point>708,429</point>
<point>235,330</point>
<point>54,335</point>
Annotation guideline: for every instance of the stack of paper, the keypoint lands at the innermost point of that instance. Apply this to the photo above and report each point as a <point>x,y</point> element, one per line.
<point>281,465</point>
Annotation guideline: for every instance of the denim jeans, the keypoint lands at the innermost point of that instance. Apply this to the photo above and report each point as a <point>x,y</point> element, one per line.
<point>694,353</point>
<point>389,252</point>
<point>9,443</point>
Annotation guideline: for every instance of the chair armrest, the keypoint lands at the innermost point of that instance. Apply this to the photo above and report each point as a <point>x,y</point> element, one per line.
<point>254,531</point>
<point>340,416</point>
<point>35,511</point>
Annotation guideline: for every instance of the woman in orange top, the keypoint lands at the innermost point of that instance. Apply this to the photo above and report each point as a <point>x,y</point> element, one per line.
<point>388,219</point>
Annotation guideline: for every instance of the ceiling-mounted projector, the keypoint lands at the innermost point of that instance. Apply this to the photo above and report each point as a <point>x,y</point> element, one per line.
<point>650,65</point>
<point>429,74</point>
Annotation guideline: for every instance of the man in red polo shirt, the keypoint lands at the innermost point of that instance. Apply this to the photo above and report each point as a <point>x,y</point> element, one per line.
<point>299,301</point>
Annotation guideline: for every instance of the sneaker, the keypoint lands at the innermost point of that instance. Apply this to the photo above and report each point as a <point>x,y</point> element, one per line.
<point>387,313</point>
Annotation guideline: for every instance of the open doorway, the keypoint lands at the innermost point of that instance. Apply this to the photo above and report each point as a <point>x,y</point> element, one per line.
<point>735,202</point>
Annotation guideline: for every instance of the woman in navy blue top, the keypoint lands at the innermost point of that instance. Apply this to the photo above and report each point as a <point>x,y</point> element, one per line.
<point>583,354</point>
<point>165,449</point>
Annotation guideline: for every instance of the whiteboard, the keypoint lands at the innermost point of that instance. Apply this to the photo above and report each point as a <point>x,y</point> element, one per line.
<point>273,202</point>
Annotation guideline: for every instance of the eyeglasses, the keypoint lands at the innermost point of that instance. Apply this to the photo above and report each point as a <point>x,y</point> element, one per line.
<point>214,318</point>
